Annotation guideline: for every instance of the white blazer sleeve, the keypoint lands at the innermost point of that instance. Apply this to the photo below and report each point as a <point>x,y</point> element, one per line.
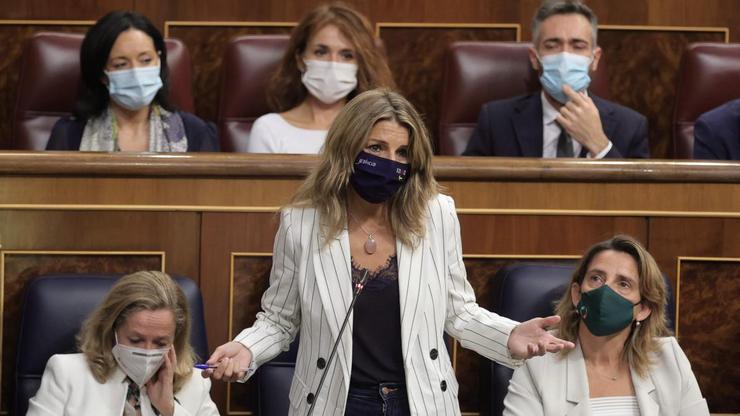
<point>474,327</point>
<point>276,326</point>
<point>53,392</point>
<point>262,138</point>
<point>523,398</point>
<point>200,398</point>
<point>692,402</point>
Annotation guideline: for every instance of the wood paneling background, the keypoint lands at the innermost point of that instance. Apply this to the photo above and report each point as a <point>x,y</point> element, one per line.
<point>19,268</point>
<point>643,80</point>
<point>214,218</point>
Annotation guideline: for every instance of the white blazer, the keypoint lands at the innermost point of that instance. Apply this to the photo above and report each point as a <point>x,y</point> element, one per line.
<point>557,385</point>
<point>310,290</point>
<point>69,388</point>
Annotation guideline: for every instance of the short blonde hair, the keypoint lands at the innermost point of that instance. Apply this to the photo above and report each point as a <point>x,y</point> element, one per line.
<point>326,187</point>
<point>643,339</point>
<point>145,290</point>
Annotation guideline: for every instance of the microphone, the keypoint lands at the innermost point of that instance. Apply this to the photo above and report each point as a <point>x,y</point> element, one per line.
<point>356,292</point>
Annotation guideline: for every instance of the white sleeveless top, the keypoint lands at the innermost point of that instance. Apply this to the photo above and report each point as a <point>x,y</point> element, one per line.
<point>272,134</point>
<point>615,406</point>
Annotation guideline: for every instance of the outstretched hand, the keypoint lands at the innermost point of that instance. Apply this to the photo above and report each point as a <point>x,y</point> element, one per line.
<point>531,338</point>
<point>233,360</point>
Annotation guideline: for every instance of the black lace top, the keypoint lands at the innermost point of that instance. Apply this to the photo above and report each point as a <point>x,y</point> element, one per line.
<point>376,336</point>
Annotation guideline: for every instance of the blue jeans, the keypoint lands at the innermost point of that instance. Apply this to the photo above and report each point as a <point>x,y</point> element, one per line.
<point>386,399</point>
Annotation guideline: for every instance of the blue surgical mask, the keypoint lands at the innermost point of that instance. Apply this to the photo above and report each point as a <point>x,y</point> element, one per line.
<point>564,68</point>
<point>134,88</point>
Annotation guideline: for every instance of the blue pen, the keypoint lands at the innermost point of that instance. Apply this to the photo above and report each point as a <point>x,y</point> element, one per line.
<point>207,366</point>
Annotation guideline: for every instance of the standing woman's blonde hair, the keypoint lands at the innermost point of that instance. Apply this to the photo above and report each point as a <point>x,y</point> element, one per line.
<point>146,290</point>
<point>286,90</point>
<point>326,187</point>
<point>643,338</point>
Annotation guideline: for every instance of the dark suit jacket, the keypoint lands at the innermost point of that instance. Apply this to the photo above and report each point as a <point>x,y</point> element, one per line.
<point>202,136</point>
<point>513,128</point>
<point>717,133</point>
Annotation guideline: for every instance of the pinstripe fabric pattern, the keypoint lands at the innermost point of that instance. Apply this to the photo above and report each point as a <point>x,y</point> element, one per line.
<point>310,290</point>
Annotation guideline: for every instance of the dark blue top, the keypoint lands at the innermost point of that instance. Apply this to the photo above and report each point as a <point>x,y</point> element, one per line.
<point>717,133</point>
<point>201,135</point>
<point>376,330</point>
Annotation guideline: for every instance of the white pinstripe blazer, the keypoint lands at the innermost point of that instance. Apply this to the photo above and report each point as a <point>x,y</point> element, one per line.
<point>310,291</point>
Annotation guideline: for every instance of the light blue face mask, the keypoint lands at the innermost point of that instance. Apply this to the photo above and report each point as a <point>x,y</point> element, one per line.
<point>134,88</point>
<point>564,68</point>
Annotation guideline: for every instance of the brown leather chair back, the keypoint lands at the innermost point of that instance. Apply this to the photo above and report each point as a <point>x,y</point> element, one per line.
<point>50,83</point>
<point>709,75</point>
<point>478,72</point>
<point>249,62</point>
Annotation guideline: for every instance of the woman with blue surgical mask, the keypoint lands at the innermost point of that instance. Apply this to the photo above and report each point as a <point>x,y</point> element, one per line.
<point>330,58</point>
<point>135,358</point>
<point>125,104</point>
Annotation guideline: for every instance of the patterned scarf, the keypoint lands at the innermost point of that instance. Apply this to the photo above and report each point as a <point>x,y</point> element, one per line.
<point>166,132</point>
<point>132,406</point>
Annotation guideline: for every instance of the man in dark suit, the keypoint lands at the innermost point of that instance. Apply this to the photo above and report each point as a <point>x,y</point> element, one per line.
<point>717,133</point>
<point>562,120</point>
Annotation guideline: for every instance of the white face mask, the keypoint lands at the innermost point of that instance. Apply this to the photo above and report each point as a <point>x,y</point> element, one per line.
<point>329,81</point>
<point>139,364</point>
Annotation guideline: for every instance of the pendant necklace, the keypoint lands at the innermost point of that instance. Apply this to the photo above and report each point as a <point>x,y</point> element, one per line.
<point>370,245</point>
<point>612,378</point>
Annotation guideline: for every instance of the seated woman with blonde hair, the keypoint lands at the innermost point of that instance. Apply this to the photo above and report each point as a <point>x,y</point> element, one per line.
<point>624,362</point>
<point>331,57</point>
<point>136,358</point>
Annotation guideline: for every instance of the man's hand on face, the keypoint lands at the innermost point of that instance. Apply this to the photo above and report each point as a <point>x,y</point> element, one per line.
<point>580,118</point>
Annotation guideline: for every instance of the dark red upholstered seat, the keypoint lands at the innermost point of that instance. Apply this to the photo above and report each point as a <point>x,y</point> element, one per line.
<point>478,72</point>
<point>248,64</point>
<point>50,83</point>
<point>708,76</point>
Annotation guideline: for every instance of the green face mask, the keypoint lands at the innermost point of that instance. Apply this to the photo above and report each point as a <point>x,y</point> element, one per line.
<point>604,311</point>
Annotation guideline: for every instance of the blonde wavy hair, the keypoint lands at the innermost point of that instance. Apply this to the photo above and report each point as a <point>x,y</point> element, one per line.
<point>643,339</point>
<point>145,290</point>
<point>326,187</point>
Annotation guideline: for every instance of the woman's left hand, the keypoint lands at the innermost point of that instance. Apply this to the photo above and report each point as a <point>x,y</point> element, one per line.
<point>160,389</point>
<point>531,338</point>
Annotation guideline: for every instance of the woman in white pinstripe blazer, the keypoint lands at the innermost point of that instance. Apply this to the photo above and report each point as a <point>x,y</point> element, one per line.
<point>372,205</point>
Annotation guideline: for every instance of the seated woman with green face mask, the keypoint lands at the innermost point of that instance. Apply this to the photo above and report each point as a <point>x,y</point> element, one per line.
<point>624,361</point>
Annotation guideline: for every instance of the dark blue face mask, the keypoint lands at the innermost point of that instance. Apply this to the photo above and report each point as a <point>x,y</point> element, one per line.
<point>377,179</point>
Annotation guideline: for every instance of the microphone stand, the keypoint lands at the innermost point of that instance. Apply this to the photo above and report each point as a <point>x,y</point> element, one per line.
<point>358,288</point>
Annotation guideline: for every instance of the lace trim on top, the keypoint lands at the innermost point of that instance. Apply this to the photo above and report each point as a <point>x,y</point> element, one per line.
<point>387,272</point>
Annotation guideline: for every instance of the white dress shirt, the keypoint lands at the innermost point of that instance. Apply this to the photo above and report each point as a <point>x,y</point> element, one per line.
<point>551,132</point>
